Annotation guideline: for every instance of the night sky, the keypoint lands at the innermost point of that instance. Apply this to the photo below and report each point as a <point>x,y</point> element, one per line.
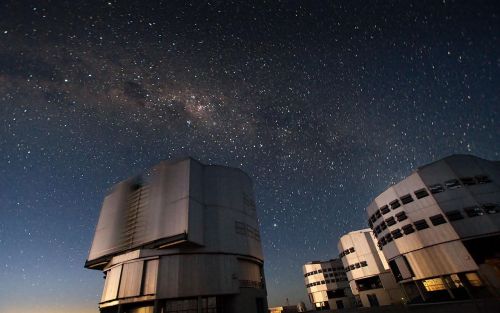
<point>324,103</point>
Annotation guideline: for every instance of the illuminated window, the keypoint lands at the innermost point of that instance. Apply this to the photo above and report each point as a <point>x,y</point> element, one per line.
<point>474,279</point>
<point>434,284</point>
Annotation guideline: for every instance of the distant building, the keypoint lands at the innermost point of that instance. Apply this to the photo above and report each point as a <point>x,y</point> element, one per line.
<point>182,238</point>
<point>327,285</point>
<point>439,229</point>
<point>284,309</point>
<point>370,278</point>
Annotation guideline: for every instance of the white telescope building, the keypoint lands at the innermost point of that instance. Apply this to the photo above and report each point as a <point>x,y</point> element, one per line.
<point>182,238</point>
<point>327,285</point>
<point>439,229</point>
<point>370,278</point>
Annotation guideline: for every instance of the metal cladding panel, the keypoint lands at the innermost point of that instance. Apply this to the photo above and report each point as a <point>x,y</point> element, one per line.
<point>109,234</point>
<point>150,277</point>
<point>230,217</point>
<point>169,201</point>
<point>111,284</point>
<point>249,271</point>
<point>442,259</point>
<point>130,283</point>
<point>197,274</point>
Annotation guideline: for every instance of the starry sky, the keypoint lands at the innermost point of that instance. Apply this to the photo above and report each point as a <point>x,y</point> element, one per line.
<point>324,103</point>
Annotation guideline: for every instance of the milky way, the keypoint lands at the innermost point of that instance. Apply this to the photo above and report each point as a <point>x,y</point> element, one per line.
<point>323,103</point>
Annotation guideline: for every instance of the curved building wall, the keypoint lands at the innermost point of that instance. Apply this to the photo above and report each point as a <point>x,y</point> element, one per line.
<point>433,227</point>
<point>193,241</point>
<point>367,270</point>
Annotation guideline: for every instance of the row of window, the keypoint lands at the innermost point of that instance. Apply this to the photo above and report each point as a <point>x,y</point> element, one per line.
<point>489,208</point>
<point>401,216</point>
<point>394,204</point>
<point>327,281</point>
<point>346,252</point>
<point>422,193</point>
<point>355,266</point>
<point>473,211</point>
<point>407,229</point>
<point>325,270</point>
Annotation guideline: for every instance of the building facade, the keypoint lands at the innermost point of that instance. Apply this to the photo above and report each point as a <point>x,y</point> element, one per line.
<point>183,237</point>
<point>368,273</point>
<point>439,229</point>
<point>327,285</point>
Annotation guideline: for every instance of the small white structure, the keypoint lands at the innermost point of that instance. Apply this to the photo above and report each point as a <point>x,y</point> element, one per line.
<point>182,238</point>
<point>327,285</point>
<point>370,278</point>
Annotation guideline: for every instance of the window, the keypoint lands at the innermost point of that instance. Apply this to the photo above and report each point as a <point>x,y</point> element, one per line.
<point>357,265</point>
<point>454,215</point>
<point>437,188</point>
<point>421,193</point>
<point>378,230</point>
<point>483,179</point>
<point>467,181</point>
<point>382,241</point>
<point>320,271</point>
<point>433,284</point>
<point>363,263</point>
<point>490,208</point>
<point>452,184</point>
<point>437,219</point>
<point>372,282</point>
<point>370,223</point>
<point>421,224</point>
<point>401,216</point>
<point>351,249</point>
<point>395,204</point>
<point>383,225</point>
<point>378,214</point>
<point>474,279</point>
<point>388,238</point>
<point>352,267</point>
<point>385,209</point>
<point>406,199</point>
<point>473,211</point>
<point>390,221</point>
<point>408,229</point>
<point>373,218</point>
<point>396,233</point>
